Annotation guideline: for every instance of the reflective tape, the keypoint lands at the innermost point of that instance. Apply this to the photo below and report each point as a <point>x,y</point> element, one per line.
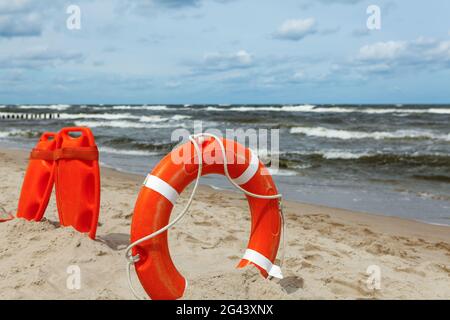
<point>162,187</point>
<point>250,171</point>
<point>261,261</point>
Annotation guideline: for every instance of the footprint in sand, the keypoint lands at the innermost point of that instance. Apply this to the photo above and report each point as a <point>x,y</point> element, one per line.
<point>318,217</point>
<point>122,215</point>
<point>440,246</point>
<point>191,239</point>
<point>292,284</point>
<point>317,258</point>
<point>345,288</point>
<point>336,224</point>
<point>312,247</point>
<point>115,241</point>
<point>203,223</point>
<point>411,271</point>
<point>368,232</point>
<point>439,267</point>
<point>229,238</point>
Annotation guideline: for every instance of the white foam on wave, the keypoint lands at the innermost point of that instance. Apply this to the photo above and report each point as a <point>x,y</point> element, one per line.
<point>398,110</point>
<point>299,108</point>
<point>322,132</point>
<point>439,110</point>
<point>15,132</point>
<point>327,154</point>
<point>127,107</point>
<point>58,107</point>
<point>178,117</point>
<point>120,116</point>
<point>314,109</point>
<point>157,118</point>
<point>125,124</point>
<point>152,119</point>
<point>281,172</point>
<point>127,152</point>
<point>342,154</point>
<point>144,107</point>
<point>330,154</point>
<point>105,116</point>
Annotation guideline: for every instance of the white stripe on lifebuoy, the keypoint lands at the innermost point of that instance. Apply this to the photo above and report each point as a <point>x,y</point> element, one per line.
<point>260,260</point>
<point>250,171</point>
<point>162,187</point>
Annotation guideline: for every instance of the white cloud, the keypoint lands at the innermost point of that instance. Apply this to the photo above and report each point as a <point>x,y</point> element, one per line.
<point>12,6</point>
<point>440,50</point>
<point>39,57</point>
<point>244,57</point>
<point>340,1</point>
<point>382,50</point>
<point>150,6</point>
<point>360,32</point>
<point>227,61</point>
<point>299,75</point>
<point>24,18</point>
<point>375,68</point>
<point>296,29</point>
<point>420,50</point>
<point>419,55</point>
<point>23,25</point>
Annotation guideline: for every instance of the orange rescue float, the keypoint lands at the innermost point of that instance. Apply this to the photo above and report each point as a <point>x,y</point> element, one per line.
<point>153,264</point>
<point>38,182</point>
<point>77,180</point>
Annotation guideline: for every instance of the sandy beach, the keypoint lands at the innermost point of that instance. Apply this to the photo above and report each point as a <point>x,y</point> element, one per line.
<point>328,251</point>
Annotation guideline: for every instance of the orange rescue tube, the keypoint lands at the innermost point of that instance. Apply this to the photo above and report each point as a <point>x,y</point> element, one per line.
<point>39,178</point>
<point>154,266</point>
<point>77,178</point>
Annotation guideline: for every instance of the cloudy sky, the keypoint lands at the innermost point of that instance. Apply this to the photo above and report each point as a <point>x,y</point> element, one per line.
<point>224,51</point>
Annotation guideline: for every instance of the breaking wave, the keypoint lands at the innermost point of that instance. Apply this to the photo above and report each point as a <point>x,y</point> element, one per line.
<point>323,132</point>
<point>127,124</point>
<point>105,116</point>
<point>299,108</point>
<point>58,107</point>
<point>318,109</point>
<point>144,107</point>
<point>127,152</point>
<point>20,133</point>
<point>293,159</point>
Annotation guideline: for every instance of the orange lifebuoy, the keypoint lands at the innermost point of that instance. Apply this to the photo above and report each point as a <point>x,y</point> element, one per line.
<point>154,266</point>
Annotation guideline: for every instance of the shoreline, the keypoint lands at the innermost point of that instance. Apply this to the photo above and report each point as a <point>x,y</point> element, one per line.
<point>23,153</point>
<point>328,250</point>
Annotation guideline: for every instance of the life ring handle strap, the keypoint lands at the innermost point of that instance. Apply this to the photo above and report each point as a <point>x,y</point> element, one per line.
<point>39,154</point>
<point>78,153</point>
